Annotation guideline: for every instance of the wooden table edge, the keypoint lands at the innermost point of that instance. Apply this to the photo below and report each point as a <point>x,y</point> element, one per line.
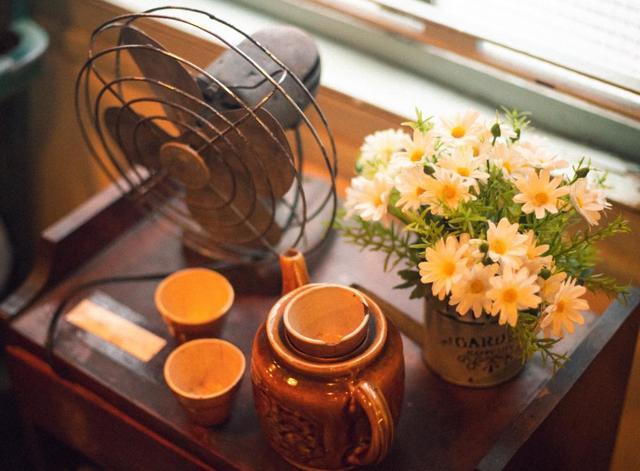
<point>617,317</point>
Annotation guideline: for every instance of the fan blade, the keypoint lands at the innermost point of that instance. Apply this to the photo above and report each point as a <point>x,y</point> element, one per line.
<point>156,64</point>
<point>249,148</point>
<point>224,202</point>
<point>244,220</point>
<point>141,144</point>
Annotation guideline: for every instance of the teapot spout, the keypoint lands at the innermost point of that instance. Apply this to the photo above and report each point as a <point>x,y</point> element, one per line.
<point>294,270</point>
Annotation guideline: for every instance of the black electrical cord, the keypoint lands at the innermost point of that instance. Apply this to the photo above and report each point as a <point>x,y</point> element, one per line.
<point>49,344</point>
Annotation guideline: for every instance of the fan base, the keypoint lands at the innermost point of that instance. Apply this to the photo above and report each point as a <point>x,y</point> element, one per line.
<point>262,278</point>
<point>258,278</point>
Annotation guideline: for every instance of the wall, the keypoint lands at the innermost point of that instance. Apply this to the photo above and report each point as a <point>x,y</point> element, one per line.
<point>64,176</point>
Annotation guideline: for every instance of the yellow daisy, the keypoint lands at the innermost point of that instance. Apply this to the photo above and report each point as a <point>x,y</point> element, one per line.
<point>470,293</point>
<point>417,149</point>
<point>508,159</point>
<point>539,192</point>
<point>412,184</point>
<point>533,259</point>
<point>480,141</point>
<point>369,198</point>
<point>379,147</point>
<point>566,309</point>
<point>512,292</point>
<point>550,286</point>
<point>468,167</point>
<point>446,190</point>
<point>445,264</point>
<point>538,156</point>
<point>588,202</point>
<point>473,254</point>
<point>506,245</point>
<point>460,127</point>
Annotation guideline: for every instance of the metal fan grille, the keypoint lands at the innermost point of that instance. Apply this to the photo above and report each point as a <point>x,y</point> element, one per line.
<point>221,171</point>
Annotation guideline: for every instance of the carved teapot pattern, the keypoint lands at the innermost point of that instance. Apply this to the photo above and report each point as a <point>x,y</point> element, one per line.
<point>320,411</point>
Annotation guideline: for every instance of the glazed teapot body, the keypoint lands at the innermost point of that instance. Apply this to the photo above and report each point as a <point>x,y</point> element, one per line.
<point>328,413</point>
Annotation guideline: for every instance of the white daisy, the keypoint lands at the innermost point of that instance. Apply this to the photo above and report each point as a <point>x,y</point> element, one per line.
<point>550,286</point>
<point>462,162</point>
<point>419,148</point>
<point>369,198</point>
<point>473,253</point>
<point>480,142</point>
<point>445,264</point>
<point>506,245</point>
<point>588,202</point>
<point>446,190</point>
<point>378,148</point>
<point>539,193</point>
<point>508,159</point>
<point>470,293</point>
<point>565,311</point>
<point>533,259</point>
<point>460,127</point>
<point>511,292</point>
<point>411,183</point>
<point>539,156</point>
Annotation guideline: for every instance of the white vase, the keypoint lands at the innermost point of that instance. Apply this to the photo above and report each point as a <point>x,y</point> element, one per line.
<point>467,351</point>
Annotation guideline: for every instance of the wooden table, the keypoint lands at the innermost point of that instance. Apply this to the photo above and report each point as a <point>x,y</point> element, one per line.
<point>116,410</point>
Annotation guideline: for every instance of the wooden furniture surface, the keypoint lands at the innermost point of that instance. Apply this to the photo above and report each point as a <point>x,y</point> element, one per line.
<point>118,412</point>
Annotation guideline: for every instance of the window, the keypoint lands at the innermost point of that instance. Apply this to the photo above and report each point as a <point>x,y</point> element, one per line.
<point>549,57</point>
<point>587,48</point>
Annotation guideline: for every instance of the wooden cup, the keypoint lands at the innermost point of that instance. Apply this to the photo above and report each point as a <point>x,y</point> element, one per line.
<point>205,376</point>
<point>327,320</point>
<point>193,302</point>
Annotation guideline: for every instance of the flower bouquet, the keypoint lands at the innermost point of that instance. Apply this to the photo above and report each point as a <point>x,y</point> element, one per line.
<point>493,229</point>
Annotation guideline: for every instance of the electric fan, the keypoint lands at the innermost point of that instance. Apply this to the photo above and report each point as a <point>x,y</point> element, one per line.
<point>208,148</point>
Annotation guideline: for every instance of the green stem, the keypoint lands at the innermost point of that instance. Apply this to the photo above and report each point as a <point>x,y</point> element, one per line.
<point>397,213</point>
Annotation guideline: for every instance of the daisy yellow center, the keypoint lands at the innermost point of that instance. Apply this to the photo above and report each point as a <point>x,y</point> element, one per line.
<point>458,132</point>
<point>499,246</point>
<point>416,155</point>
<point>448,268</point>
<point>541,198</point>
<point>463,171</point>
<point>449,192</point>
<point>510,295</point>
<point>476,286</point>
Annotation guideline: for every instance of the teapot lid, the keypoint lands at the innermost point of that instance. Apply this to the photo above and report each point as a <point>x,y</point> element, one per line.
<point>363,356</point>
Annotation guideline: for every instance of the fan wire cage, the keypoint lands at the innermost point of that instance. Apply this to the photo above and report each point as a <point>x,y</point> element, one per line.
<point>205,151</point>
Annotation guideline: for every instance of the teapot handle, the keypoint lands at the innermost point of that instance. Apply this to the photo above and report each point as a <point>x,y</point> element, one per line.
<point>374,404</point>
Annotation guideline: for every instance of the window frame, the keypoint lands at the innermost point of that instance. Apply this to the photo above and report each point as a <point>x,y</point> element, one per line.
<point>563,101</point>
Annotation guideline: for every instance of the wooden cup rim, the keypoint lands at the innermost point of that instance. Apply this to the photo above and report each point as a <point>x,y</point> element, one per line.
<point>188,272</point>
<point>194,343</point>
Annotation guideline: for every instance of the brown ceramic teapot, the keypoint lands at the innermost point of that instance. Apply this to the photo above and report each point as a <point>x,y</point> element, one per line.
<point>328,374</point>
